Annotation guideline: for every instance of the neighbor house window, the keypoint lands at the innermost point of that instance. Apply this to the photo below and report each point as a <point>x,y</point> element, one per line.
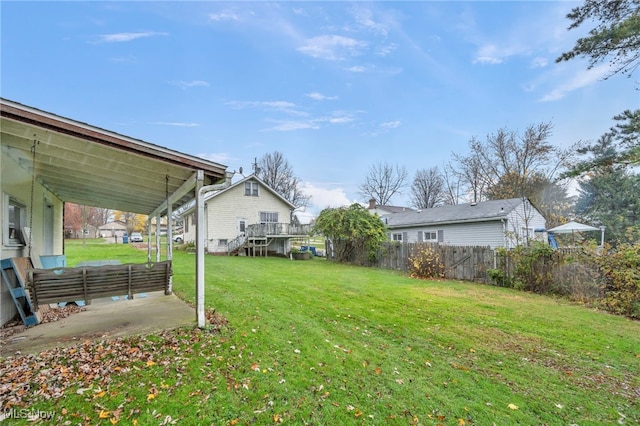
<point>431,236</point>
<point>251,189</point>
<point>16,215</point>
<point>397,237</point>
<point>222,242</point>
<point>268,217</point>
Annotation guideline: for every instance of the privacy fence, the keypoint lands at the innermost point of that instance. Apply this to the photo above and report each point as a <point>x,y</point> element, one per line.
<point>467,263</point>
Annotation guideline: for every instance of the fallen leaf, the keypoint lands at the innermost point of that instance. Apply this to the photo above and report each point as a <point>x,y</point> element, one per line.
<point>104,414</point>
<point>151,396</point>
<point>512,406</point>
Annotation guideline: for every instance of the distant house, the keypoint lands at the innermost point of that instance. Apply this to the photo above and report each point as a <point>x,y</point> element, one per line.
<point>496,223</point>
<point>247,218</point>
<point>386,209</point>
<point>111,229</point>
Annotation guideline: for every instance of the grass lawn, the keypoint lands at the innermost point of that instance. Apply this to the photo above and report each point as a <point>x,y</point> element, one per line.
<point>313,342</point>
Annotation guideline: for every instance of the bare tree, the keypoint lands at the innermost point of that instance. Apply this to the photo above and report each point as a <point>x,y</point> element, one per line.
<point>383,182</point>
<point>453,185</point>
<point>509,163</point>
<point>428,188</point>
<point>469,174</point>
<point>276,172</point>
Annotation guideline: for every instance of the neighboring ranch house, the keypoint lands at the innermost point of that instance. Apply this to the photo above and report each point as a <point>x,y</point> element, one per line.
<point>497,223</point>
<point>47,160</point>
<point>247,218</point>
<point>117,228</point>
<point>382,210</point>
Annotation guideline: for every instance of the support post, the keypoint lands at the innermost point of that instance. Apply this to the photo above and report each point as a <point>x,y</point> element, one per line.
<point>169,289</point>
<point>201,238</point>
<point>158,219</point>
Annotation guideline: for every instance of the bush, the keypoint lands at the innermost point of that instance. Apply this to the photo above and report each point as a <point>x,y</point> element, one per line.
<point>425,263</point>
<point>620,273</point>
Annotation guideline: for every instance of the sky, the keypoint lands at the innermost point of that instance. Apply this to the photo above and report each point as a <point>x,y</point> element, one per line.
<point>335,86</point>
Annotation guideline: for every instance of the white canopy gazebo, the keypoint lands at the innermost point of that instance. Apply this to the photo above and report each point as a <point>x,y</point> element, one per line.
<point>573,227</point>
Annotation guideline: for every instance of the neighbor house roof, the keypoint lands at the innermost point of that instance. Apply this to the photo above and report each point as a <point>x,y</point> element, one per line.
<point>87,165</point>
<point>460,213</point>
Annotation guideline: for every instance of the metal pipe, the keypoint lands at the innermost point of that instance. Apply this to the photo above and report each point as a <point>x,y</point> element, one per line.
<point>201,238</point>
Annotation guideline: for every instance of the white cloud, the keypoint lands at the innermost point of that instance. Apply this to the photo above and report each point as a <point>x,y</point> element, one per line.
<point>322,198</point>
<point>386,49</point>
<point>364,18</point>
<point>490,54</point>
<point>390,124</point>
<point>539,62</point>
<point>332,47</point>
<point>216,157</point>
<point>283,106</point>
<point>176,124</point>
<point>124,37</point>
<point>356,68</point>
<point>582,79</point>
<point>224,16</point>
<point>189,84</point>
<point>287,126</point>
<point>320,97</point>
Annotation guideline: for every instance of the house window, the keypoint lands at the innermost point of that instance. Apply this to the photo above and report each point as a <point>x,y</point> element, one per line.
<point>431,236</point>
<point>397,237</point>
<point>268,217</point>
<point>16,214</point>
<point>222,242</point>
<point>251,189</point>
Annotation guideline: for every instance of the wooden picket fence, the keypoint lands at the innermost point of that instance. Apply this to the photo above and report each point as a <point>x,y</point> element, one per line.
<point>468,263</point>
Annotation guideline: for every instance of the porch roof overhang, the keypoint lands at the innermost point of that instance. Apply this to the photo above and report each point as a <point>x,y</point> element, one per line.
<point>91,166</point>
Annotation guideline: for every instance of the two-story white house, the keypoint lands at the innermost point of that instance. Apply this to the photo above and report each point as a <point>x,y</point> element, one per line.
<point>247,218</point>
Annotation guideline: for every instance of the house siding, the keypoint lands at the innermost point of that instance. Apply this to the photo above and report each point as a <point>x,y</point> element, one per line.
<point>16,182</point>
<point>224,210</point>
<point>471,234</point>
<point>515,227</point>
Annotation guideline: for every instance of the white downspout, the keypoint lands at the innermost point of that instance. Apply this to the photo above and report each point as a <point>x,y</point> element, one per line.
<point>200,238</point>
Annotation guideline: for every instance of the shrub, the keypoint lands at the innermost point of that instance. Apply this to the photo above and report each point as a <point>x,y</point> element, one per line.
<point>620,271</point>
<point>425,263</point>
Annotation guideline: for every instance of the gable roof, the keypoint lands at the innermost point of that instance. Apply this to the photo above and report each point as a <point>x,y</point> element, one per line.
<point>191,206</point>
<point>460,213</point>
<point>87,165</point>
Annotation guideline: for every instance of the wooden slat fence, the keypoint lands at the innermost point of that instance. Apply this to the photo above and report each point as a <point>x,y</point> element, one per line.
<point>468,263</point>
<point>91,282</point>
<point>460,262</point>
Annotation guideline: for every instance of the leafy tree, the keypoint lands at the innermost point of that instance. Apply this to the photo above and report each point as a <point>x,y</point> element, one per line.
<point>616,34</point>
<point>276,172</point>
<point>383,182</point>
<point>351,229</point>
<point>609,194</point>
<point>428,188</point>
<point>133,221</point>
<point>77,217</point>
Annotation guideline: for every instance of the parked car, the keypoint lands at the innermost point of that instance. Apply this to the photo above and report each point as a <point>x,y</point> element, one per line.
<point>136,237</point>
<point>178,239</point>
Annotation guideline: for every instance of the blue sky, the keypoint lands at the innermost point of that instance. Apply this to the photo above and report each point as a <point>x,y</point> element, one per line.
<point>335,86</point>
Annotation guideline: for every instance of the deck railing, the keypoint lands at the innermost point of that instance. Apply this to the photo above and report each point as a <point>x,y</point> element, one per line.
<point>277,229</point>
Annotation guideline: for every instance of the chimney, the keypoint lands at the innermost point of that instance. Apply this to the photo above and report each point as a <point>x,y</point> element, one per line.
<point>372,204</point>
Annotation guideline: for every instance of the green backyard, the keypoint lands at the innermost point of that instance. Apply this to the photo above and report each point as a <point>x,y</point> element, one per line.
<point>314,342</point>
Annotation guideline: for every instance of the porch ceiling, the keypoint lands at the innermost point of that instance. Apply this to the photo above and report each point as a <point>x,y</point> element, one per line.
<point>91,166</point>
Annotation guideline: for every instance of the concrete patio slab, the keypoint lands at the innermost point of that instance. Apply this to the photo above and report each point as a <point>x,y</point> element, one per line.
<point>104,318</point>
